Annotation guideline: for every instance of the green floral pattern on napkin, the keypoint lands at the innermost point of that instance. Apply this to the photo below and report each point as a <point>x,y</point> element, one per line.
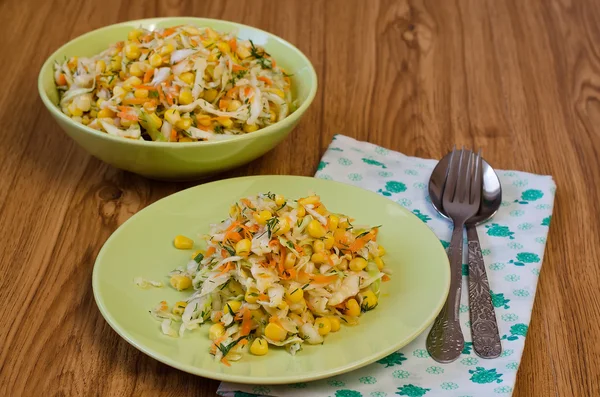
<point>513,248</point>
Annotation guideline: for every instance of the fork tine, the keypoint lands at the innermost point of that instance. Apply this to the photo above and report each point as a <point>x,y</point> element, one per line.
<point>451,176</point>
<point>477,180</point>
<point>464,177</point>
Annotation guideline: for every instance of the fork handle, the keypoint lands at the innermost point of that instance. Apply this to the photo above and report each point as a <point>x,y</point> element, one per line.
<point>484,328</point>
<point>445,341</point>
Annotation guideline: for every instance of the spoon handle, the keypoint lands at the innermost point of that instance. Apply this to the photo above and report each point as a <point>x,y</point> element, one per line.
<point>445,341</point>
<point>484,328</point>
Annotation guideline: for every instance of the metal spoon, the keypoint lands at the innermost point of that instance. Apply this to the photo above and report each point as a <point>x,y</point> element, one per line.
<point>484,328</point>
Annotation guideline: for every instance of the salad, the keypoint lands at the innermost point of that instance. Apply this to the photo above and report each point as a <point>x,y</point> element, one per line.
<point>276,272</point>
<point>178,84</point>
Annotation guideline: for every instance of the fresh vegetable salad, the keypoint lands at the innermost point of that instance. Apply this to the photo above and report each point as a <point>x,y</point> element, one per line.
<point>179,84</point>
<point>276,272</point>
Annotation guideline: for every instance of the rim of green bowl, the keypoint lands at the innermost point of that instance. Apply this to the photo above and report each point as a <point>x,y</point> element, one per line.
<point>272,129</point>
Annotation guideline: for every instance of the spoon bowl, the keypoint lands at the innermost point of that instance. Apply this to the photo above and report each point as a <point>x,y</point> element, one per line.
<point>491,196</point>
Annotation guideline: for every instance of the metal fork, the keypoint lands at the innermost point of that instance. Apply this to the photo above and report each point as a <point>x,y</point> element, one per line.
<point>462,196</point>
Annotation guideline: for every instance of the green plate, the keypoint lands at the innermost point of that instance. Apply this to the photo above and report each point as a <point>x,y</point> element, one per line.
<point>142,247</point>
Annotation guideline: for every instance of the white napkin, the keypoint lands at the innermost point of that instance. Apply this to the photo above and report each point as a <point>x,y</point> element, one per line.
<point>513,248</point>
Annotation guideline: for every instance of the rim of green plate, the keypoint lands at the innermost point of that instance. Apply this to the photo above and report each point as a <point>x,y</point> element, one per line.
<point>263,381</point>
<point>272,129</point>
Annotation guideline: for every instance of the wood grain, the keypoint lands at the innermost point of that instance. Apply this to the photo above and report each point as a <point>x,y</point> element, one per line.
<point>519,78</point>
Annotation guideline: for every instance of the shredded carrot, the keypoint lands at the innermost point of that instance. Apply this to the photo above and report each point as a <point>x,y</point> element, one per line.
<point>161,94</point>
<point>168,32</point>
<point>233,44</point>
<point>246,322</point>
<point>232,236</point>
<point>243,342</point>
<point>273,63</point>
<point>223,103</point>
<point>173,135</point>
<point>148,76</point>
<point>303,277</point>
<point>237,68</point>
<point>225,270</point>
<point>62,79</point>
<point>267,80</point>
<point>224,361</point>
<point>385,278</point>
<point>210,251</point>
<point>247,91</point>
<point>135,101</point>
<point>246,202</point>
<point>145,87</point>
<point>194,42</point>
<point>218,316</point>
<point>263,297</point>
<point>170,99</point>
<point>127,116</point>
<point>323,279</point>
<point>224,253</point>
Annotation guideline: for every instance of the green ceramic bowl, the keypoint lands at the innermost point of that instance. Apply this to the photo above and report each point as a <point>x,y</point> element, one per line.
<point>143,247</point>
<point>180,161</point>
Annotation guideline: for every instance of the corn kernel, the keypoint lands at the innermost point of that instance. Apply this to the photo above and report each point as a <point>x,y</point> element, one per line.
<point>335,323</point>
<point>250,127</point>
<point>167,49</point>
<point>289,261</point>
<point>310,200</point>
<point>333,222</point>
<point>277,92</point>
<point>242,51</point>
<point>242,247</point>
<point>185,96</point>
<point>127,123</point>
<point>315,229</point>
<point>251,295</point>
<point>115,63</point>
<point>259,347</point>
<point>318,257</point>
<point>155,120</point>
<point>131,82</point>
<point>77,119</point>
<point>184,123</point>
<point>232,306</point>
<point>100,66</point>
<point>132,51</point>
<point>352,308</point>
<point>319,246</point>
<point>203,119</point>
<point>85,120</point>
<point>283,226</point>
<point>358,264</point>
<point>136,70</point>
<point>369,300</point>
<point>179,308</point>
<point>180,282</point>
<point>301,211</point>
<point>106,113</point>
<point>380,250</point>
<point>172,116</point>
<point>328,241</point>
<point>196,253</point>
<point>283,305</point>
<point>93,114</point>
<point>187,77</point>
<point>210,95</point>
<point>295,295</point>
<point>262,217</point>
<point>234,105</point>
<point>186,139</point>
<point>225,122</point>
<point>141,93</point>
<point>216,331</point>
<point>119,92</point>
<point>74,110</point>
<point>379,262</point>
<point>183,243</point>
<point>224,47</point>
<point>323,325</point>
<point>275,332</point>
<point>155,60</point>
<point>134,34</point>
<point>279,199</point>
<point>343,264</point>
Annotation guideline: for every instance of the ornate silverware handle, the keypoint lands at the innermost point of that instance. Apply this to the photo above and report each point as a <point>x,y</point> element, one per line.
<point>484,328</point>
<point>445,341</point>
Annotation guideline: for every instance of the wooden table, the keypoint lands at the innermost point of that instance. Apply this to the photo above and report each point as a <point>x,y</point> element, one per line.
<point>519,78</point>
